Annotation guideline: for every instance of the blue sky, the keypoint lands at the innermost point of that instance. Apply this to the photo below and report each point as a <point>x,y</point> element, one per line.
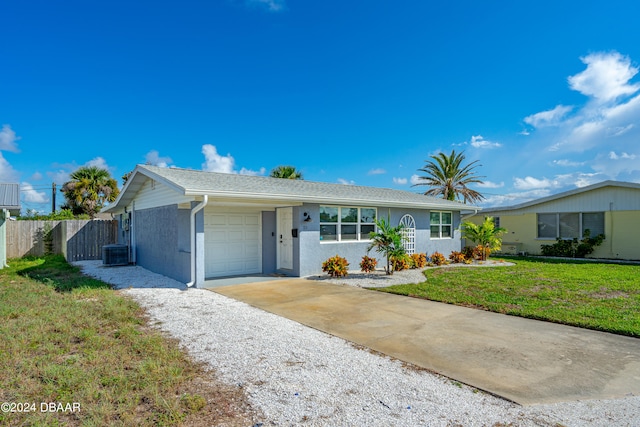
<point>546,95</point>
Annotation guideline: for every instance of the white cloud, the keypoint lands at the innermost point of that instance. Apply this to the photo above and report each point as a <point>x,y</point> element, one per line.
<point>98,162</point>
<point>531,183</point>
<point>415,179</point>
<point>479,142</point>
<point>7,173</point>
<point>514,198</point>
<point>568,163</point>
<point>584,179</point>
<point>489,184</point>
<point>345,182</point>
<point>37,176</point>
<point>245,171</point>
<point>60,176</point>
<point>30,195</point>
<point>153,158</point>
<point>547,118</point>
<point>214,162</point>
<point>606,77</point>
<point>400,181</point>
<point>614,156</point>
<point>377,171</point>
<point>270,5</point>
<point>8,139</point>
<point>619,130</point>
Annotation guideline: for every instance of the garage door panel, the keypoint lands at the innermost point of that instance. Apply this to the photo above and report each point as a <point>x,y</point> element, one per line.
<point>235,220</point>
<point>252,220</point>
<point>232,243</point>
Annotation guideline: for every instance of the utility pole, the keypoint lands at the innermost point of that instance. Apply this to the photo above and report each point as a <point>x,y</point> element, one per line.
<point>53,198</point>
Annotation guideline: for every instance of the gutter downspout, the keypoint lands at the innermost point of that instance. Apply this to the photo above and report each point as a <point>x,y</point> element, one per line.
<point>475,211</point>
<point>4,217</point>
<point>194,211</point>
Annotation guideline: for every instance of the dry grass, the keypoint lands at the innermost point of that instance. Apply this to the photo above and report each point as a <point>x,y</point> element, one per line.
<point>71,339</point>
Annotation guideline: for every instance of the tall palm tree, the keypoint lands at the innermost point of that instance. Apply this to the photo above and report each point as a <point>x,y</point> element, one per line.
<point>449,177</point>
<point>288,172</point>
<point>89,189</point>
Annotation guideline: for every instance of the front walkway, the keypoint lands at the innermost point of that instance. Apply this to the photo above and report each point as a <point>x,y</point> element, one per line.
<point>522,360</point>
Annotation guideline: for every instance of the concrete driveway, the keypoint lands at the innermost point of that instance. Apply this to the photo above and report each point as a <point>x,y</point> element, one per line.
<point>525,361</point>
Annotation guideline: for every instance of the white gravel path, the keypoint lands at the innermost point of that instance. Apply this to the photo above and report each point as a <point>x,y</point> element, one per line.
<point>297,375</point>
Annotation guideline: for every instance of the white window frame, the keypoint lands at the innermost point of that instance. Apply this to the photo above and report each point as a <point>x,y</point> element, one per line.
<point>359,223</point>
<point>440,225</point>
<point>557,224</point>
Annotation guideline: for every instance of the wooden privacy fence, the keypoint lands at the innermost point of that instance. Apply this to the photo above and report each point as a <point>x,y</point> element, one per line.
<point>77,240</point>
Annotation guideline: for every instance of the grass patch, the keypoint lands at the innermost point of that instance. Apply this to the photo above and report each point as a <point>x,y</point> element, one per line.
<point>599,296</point>
<point>67,338</point>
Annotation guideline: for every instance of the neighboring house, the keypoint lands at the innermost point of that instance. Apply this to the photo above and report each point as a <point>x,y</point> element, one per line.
<point>609,207</point>
<point>9,205</point>
<point>194,225</point>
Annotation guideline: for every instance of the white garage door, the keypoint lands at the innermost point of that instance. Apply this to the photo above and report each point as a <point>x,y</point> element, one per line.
<point>232,243</point>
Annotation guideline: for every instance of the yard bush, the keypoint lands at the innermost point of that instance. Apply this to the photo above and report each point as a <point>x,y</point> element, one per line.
<point>401,262</point>
<point>438,259</point>
<point>457,257</point>
<point>336,266</point>
<point>481,252</point>
<point>419,260</point>
<point>368,264</point>
<point>573,248</point>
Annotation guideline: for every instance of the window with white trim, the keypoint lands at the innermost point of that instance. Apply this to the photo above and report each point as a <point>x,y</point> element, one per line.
<point>569,225</point>
<point>344,224</point>
<point>441,224</point>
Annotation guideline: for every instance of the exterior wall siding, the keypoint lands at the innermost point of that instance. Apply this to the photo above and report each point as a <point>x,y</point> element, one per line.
<point>154,194</point>
<point>310,252</point>
<point>161,244</point>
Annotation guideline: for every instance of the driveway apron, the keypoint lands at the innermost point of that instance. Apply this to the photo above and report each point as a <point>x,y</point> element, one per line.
<point>522,360</point>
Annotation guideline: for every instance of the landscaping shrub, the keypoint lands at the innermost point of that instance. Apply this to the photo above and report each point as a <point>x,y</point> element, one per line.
<point>419,260</point>
<point>438,259</point>
<point>573,248</point>
<point>457,257</point>
<point>336,266</point>
<point>401,262</point>
<point>481,252</point>
<point>467,251</point>
<point>368,264</point>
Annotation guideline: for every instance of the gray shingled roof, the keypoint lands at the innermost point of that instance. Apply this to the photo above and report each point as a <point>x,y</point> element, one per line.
<point>10,197</point>
<point>191,182</point>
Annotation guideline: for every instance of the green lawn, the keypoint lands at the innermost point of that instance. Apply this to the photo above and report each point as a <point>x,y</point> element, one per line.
<point>598,296</point>
<point>69,339</point>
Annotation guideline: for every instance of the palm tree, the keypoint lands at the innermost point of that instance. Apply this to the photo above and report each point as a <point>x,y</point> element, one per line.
<point>449,178</point>
<point>288,172</point>
<point>89,189</point>
<point>387,240</point>
<point>486,235</point>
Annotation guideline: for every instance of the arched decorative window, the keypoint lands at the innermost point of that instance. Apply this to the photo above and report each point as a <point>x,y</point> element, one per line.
<point>408,234</point>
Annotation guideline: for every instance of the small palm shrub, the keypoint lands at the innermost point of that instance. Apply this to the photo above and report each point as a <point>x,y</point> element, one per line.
<point>438,259</point>
<point>419,260</point>
<point>368,264</point>
<point>336,266</point>
<point>401,262</point>
<point>457,257</point>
